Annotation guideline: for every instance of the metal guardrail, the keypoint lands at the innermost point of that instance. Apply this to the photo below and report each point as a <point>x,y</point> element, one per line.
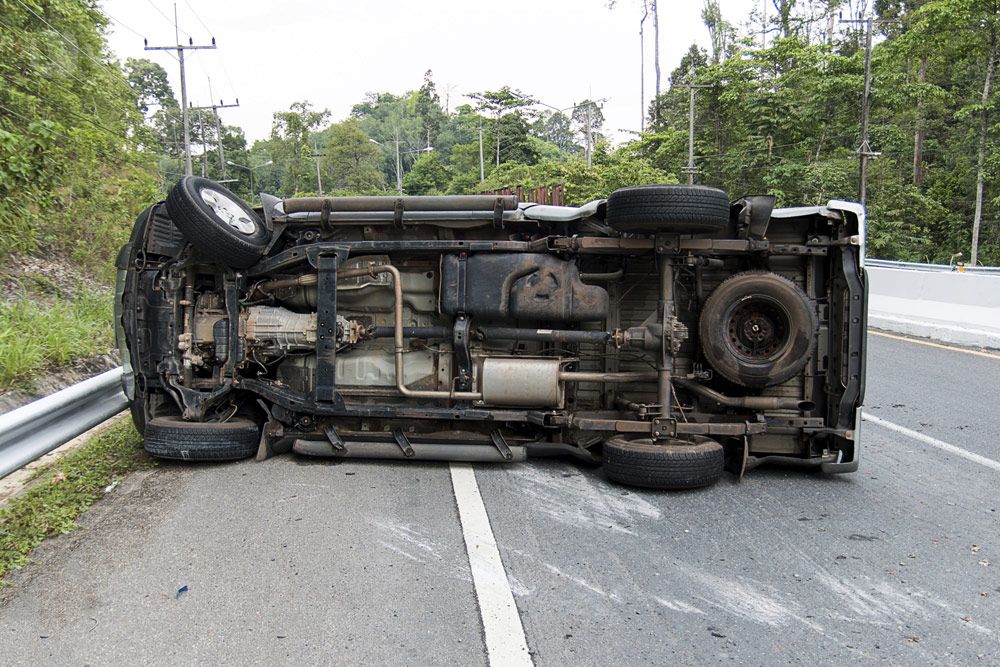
<point>39,427</point>
<point>918,266</point>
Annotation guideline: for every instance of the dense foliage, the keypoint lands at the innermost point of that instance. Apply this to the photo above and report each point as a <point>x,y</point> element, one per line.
<point>73,166</point>
<point>777,110</point>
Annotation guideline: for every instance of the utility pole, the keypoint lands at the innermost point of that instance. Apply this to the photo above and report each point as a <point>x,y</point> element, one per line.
<point>399,167</point>
<point>317,155</point>
<point>918,132</point>
<point>691,169</point>
<point>763,24</point>
<point>977,216</point>
<point>590,136</point>
<point>865,151</point>
<point>181,48</point>
<point>482,169</point>
<point>642,67</point>
<point>204,149</point>
<point>218,128</point>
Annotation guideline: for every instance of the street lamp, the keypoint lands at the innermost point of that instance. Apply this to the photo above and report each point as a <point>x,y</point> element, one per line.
<point>399,166</point>
<point>589,131</point>
<point>250,170</point>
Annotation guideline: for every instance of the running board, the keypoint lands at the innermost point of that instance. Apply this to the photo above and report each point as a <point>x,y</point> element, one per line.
<point>417,451</point>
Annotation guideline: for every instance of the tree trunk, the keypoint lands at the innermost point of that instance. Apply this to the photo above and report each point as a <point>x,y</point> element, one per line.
<point>984,128</point>
<point>918,134</point>
<point>656,55</point>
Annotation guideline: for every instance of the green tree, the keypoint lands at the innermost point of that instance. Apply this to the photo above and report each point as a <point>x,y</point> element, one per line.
<point>499,103</point>
<point>430,175</point>
<point>351,160</point>
<point>73,165</point>
<point>290,149</point>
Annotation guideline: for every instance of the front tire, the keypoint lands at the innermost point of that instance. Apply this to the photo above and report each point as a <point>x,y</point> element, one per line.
<point>670,464</point>
<point>217,223</point>
<point>174,438</point>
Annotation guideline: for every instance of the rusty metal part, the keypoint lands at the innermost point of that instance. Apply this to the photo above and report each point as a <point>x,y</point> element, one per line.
<point>391,204</point>
<point>667,343</point>
<point>603,277</point>
<point>282,283</point>
<point>419,451</point>
<point>517,381</point>
<point>312,279</point>
<point>666,427</point>
<point>747,402</point>
<point>397,287</point>
<point>599,376</point>
<point>553,335</point>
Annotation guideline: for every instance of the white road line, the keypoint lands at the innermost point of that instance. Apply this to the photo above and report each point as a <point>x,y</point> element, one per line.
<point>505,640</point>
<point>934,442</point>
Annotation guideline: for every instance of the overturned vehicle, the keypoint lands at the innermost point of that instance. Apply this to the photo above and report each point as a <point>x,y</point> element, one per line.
<point>665,332</point>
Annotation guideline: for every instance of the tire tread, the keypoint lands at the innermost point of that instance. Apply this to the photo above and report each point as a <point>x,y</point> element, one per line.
<point>668,208</point>
<point>171,438</point>
<point>641,463</point>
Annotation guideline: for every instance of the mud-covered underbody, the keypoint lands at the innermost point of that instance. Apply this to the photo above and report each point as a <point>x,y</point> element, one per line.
<point>474,329</point>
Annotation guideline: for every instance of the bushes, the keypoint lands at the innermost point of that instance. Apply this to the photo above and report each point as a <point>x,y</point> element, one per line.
<point>582,183</point>
<point>35,335</point>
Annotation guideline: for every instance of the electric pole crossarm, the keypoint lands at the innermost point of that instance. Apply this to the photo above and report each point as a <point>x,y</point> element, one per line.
<point>218,128</point>
<point>186,47</point>
<point>181,48</point>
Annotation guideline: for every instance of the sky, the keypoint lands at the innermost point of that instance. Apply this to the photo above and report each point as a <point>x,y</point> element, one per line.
<point>332,52</point>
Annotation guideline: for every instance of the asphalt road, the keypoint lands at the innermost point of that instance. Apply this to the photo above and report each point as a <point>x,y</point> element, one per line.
<point>365,562</point>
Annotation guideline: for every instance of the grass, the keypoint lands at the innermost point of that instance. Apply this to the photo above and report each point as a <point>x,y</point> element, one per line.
<point>64,490</point>
<point>35,335</point>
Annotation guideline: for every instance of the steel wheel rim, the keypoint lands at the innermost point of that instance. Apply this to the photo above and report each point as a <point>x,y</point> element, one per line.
<point>757,329</point>
<point>228,211</point>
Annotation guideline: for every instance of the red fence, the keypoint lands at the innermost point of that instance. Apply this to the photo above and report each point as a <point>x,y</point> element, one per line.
<point>544,195</point>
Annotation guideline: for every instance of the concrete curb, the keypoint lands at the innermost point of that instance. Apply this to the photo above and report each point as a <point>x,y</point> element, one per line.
<point>953,307</point>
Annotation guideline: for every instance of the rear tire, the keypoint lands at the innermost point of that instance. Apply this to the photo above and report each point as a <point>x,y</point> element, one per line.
<point>174,438</point>
<point>675,464</point>
<point>217,223</point>
<point>675,209</point>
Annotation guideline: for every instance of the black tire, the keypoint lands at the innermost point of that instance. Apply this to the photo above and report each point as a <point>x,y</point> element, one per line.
<point>676,209</point>
<point>237,241</point>
<point>757,329</point>
<point>174,438</point>
<point>671,464</point>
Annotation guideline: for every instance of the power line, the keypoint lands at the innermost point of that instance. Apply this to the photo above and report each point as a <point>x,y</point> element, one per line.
<point>122,24</point>
<point>181,48</point>
<point>73,44</point>
<point>207,29</point>
<point>166,18</point>
<point>54,82</point>
<point>98,126</point>
<point>15,113</point>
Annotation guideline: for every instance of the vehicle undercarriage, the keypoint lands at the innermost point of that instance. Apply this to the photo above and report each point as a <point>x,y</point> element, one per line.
<point>665,331</point>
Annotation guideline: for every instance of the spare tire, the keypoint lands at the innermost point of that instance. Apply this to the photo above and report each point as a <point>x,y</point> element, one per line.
<point>676,209</point>
<point>757,329</point>
<point>668,464</point>
<point>174,438</point>
<point>217,223</point>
